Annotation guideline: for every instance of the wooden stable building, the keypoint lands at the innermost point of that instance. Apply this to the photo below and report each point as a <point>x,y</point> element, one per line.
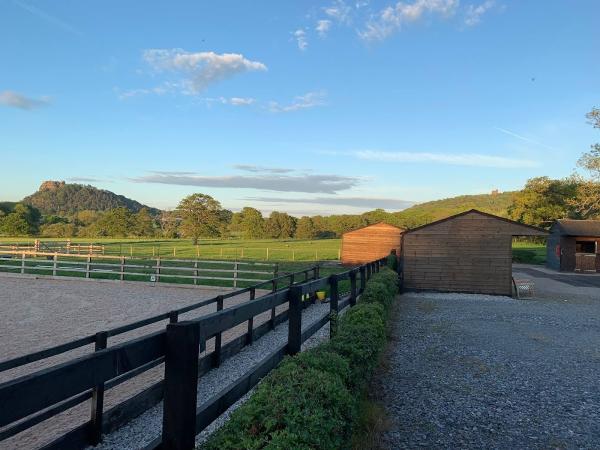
<point>574,246</point>
<point>469,252</point>
<point>370,243</point>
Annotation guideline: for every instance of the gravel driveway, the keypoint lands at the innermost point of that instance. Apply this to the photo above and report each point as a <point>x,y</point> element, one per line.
<point>474,371</point>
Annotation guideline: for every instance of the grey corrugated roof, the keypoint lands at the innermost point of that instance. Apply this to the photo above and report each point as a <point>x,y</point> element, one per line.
<point>570,227</point>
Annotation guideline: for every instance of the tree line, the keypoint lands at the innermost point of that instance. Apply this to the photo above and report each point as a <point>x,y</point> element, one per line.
<point>197,216</point>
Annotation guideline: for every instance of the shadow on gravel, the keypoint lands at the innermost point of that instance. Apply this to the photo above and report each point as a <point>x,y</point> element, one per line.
<point>475,371</point>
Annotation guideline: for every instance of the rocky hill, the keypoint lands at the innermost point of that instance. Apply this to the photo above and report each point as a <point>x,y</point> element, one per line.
<point>60,198</point>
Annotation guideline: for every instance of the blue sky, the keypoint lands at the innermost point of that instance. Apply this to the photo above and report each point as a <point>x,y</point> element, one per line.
<point>308,106</point>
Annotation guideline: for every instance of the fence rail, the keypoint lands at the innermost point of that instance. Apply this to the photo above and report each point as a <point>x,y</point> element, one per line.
<point>47,392</point>
<point>205,251</point>
<point>124,268</point>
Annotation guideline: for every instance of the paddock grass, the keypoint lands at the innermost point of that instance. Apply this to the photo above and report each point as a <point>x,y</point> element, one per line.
<point>240,249</point>
<point>529,252</point>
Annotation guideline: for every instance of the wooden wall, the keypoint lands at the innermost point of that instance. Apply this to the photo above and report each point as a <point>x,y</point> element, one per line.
<point>370,243</point>
<point>569,249</point>
<point>467,253</point>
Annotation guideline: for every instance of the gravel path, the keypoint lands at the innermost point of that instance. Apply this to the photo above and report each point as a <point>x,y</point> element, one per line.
<point>553,285</point>
<point>146,427</point>
<point>475,371</point>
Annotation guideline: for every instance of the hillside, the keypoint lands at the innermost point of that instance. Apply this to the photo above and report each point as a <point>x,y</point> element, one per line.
<point>438,209</point>
<point>58,197</point>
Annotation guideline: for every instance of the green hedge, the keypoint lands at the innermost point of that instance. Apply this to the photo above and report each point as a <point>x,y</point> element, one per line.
<point>311,400</point>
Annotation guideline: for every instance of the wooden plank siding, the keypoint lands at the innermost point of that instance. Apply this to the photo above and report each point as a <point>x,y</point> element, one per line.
<point>470,252</point>
<point>370,243</point>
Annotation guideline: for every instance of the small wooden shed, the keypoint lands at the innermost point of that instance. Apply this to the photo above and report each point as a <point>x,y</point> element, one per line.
<point>574,246</point>
<point>370,243</point>
<point>469,252</point>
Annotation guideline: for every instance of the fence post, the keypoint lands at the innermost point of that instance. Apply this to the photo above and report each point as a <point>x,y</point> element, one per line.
<point>195,272</point>
<point>295,320</point>
<point>272,319</point>
<point>333,304</point>
<point>235,273</point>
<point>352,288</point>
<point>180,391</point>
<point>97,397</point>
<point>218,337</point>
<point>122,275</point>
<point>54,264</point>
<point>22,262</point>
<point>88,260</point>
<point>158,269</point>
<point>401,275</point>
<point>313,295</point>
<point>250,335</point>
<point>363,278</point>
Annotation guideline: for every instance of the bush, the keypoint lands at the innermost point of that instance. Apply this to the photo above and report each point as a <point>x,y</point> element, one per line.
<point>311,400</point>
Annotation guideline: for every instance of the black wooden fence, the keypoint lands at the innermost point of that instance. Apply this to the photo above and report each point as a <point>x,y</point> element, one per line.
<point>31,399</point>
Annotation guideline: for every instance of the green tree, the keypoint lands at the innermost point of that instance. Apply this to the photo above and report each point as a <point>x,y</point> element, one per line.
<point>376,216</point>
<point>24,220</point>
<point>59,229</point>
<point>587,201</point>
<point>200,216</point>
<point>143,223</point>
<point>117,222</point>
<point>544,200</point>
<point>14,225</point>
<point>306,229</point>
<point>280,225</point>
<point>169,224</point>
<point>249,223</point>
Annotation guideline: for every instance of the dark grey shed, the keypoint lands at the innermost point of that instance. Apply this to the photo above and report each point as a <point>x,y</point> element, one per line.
<point>574,246</point>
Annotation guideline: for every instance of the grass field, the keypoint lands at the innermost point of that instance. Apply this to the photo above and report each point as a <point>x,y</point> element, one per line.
<point>291,250</point>
<point>529,253</point>
<point>257,250</point>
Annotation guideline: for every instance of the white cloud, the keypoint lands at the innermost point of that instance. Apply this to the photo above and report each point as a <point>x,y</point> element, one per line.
<point>461,159</point>
<point>300,36</point>
<point>262,169</point>
<point>359,202</point>
<point>339,11</point>
<point>240,101</point>
<point>202,68</point>
<point>393,18</point>
<point>323,27</point>
<point>310,183</point>
<point>474,13</point>
<point>309,100</point>
<point>523,138</point>
<point>158,90</point>
<point>16,100</point>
